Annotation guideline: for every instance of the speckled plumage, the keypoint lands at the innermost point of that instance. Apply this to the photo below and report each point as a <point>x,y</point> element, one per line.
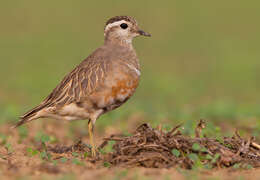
<point>95,84</point>
<point>102,82</point>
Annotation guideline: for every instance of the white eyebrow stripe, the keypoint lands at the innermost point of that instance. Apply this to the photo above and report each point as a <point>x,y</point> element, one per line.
<point>114,24</point>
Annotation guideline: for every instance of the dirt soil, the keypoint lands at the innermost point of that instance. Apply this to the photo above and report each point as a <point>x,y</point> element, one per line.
<point>148,152</point>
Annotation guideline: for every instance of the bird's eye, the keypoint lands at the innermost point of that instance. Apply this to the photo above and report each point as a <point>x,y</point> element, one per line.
<point>123,25</point>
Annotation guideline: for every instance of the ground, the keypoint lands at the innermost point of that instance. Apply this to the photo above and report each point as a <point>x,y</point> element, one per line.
<point>202,62</point>
<point>53,154</point>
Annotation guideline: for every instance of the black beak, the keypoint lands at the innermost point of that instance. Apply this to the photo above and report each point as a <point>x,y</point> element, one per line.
<point>142,33</point>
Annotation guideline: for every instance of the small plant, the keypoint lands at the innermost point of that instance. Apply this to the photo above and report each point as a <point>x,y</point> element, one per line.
<point>197,164</point>
<point>203,149</point>
<point>86,154</point>
<point>9,147</point>
<point>3,139</point>
<point>196,147</point>
<point>208,157</point>
<point>242,166</point>
<point>77,161</point>
<point>44,155</point>
<point>23,132</point>
<point>53,139</point>
<point>108,148</point>
<point>43,138</point>
<point>75,154</point>
<point>63,160</point>
<point>32,152</point>
<point>107,164</point>
<point>215,158</point>
<point>249,166</point>
<point>176,152</point>
<point>54,162</point>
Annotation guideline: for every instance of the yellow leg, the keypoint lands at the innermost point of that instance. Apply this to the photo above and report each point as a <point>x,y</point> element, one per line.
<point>91,136</point>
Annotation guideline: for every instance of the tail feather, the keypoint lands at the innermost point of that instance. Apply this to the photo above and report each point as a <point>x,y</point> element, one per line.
<point>29,116</point>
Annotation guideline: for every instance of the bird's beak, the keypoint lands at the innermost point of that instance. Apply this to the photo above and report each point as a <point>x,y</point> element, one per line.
<point>142,33</point>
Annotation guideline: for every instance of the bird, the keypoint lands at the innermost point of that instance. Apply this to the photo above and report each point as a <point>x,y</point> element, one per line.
<point>102,82</point>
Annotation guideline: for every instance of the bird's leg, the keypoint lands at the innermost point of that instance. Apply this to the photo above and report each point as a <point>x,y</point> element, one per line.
<point>91,136</point>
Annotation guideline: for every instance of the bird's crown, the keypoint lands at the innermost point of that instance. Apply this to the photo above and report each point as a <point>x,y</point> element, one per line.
<point>117,19</point>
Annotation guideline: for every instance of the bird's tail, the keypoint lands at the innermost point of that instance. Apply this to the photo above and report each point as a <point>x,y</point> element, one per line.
<point>29,116</point>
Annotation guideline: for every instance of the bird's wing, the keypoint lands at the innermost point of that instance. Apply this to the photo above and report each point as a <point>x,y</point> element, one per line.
<point>81,82</point>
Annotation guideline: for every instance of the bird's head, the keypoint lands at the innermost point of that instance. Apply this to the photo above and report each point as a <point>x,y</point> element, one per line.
<point>123,29</point>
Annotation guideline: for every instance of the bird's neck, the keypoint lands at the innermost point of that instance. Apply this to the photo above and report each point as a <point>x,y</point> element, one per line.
<point>118,41</point>
<point>124,50</point>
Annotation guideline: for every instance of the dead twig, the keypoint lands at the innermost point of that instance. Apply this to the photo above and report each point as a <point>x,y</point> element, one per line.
<point>200,126</point>
<point>255,145</point>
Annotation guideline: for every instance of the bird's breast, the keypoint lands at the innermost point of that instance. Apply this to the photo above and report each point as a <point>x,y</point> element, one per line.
<point>119,86</point>
<point>123,89</point>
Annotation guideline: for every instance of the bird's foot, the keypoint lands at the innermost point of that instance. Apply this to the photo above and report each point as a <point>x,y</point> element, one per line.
<point>93,151</point>
<point>88,147</point>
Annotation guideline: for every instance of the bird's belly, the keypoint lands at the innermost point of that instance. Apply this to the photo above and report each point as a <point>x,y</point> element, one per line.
<point>68,112</point>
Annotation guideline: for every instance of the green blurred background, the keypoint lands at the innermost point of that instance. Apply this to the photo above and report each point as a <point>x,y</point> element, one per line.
<point>201,62</point>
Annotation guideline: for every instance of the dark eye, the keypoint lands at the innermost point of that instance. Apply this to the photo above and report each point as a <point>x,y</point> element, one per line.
<point>123,25</point>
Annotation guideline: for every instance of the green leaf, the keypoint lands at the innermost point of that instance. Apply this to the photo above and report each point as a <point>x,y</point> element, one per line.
<point>45,138</point>
<point>127,134</point>
<point>75,154</point>
<point>107,164</point>
<point>249,166</point>
<point>63,160</point>
<point>86,154</point>
<point>23,132</point>
<point>203,149</point>
<point>214,160</point>
<point>108,148</point>
<point>29,150</point>
<point>176,153</point>
<point>41,137</point>
<point>220,140</point>
<point>208,166</point>
<point>35,152</point>
<point>43,154</point>
<point>237,166</point>
<point>54,162</point>
<point>32,152</point>
<point>77,162</point>
<point>208,157</point>
<point>9,148</point>
<point>228,146</point>
<point>196,147</point>
<point>3,139</point>
<point>196,160</point>
<point>49,156</point>
<point>194,157</point>
<point>102,151</point>
<point>53,139</point>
